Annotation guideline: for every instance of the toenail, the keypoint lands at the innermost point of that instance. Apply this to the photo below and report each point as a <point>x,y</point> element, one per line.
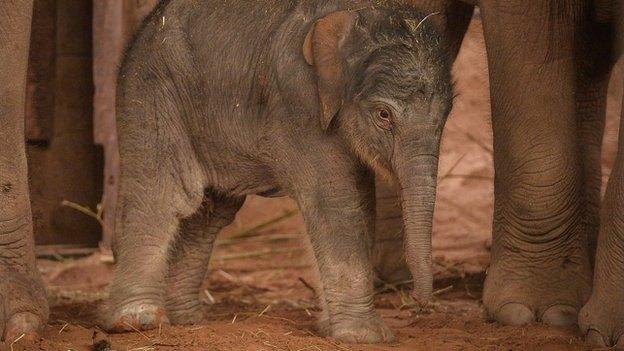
<point>514,314</point>
<point>619,346</point>
<point>560,316</point>
<point>594,338</point>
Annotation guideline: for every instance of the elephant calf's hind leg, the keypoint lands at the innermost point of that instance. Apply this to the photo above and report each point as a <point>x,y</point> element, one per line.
<point>190,256</point>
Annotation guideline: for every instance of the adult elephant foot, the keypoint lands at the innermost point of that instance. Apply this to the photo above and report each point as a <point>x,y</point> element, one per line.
<point>540,268</point>
<point>603,323</point>
<point>23,300</point>
<point>520,289</point>
<point>23,303</point>
<point>602,319</point>
<point>22,325</point>
<point>24,307</point>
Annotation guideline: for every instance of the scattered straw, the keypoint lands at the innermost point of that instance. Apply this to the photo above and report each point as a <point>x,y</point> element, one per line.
<point>143,348</point>
<point>269,345</point>
<point>443,290</point>
<point>63,328</point>
<point>16,340</point>
<point>477,141</point>
<point>259,253</point>
<point>85,210</point>
<point>281,319</point>
<point>227,276</point>
<point>309,348</point>
<point>258,238</point>
<point>307,285</point>
<point>209,298</point>
<point>265,310</point>
<point>251,231</point>
<point>453,167</point>
<point>137,330</point>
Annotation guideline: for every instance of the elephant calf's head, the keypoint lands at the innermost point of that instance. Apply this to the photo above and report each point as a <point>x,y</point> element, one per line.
<point>384,85</point>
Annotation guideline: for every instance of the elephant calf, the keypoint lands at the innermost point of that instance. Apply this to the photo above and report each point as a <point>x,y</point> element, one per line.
<point>222,99</point>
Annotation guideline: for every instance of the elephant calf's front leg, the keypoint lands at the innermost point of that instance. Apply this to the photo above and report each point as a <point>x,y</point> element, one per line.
<point>338,217</point>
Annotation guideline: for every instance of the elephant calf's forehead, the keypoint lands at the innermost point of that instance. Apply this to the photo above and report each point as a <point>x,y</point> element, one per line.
<point>401,72</point>
<point>405,56</point>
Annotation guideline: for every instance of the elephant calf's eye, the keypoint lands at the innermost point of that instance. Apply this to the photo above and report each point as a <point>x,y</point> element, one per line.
<point>384,118</point>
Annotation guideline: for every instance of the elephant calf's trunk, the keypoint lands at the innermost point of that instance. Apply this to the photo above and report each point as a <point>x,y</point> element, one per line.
<point>418,192</point>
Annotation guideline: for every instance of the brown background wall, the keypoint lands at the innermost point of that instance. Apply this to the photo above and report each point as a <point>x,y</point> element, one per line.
<point>64,162</point>
<point>76,47</point>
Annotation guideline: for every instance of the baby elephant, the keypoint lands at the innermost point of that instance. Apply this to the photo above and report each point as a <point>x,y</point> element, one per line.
<point>220,99</point>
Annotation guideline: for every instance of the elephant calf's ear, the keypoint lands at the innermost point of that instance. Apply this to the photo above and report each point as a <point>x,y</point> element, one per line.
<point>321,49</point>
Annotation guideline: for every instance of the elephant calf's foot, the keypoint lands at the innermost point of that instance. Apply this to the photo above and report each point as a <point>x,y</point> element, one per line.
<point>519,292</point>
<point>194,313</point>
<point>136,316</point>
<point>371,330</point>
<point>602,322</point>
<point>23,306</point>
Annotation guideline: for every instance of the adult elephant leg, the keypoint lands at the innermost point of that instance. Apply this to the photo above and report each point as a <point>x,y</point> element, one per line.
<point>190,256</point>
<point>593,72</point>
<point>388,257</point>
<point>602,318</point>
<point>22,296</point>
<point>540,267</point>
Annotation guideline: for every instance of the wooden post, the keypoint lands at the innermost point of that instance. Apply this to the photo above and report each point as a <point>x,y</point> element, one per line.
<point>64,164</point>
<point>41,73</point>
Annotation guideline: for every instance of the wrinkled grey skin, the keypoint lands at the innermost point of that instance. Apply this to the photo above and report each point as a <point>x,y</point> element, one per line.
<point>221,99</point>
<point>556,249</point>
<point>23,304</point>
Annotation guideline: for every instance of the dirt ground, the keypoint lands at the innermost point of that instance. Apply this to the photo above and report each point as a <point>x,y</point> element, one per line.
<point>260,288</point>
